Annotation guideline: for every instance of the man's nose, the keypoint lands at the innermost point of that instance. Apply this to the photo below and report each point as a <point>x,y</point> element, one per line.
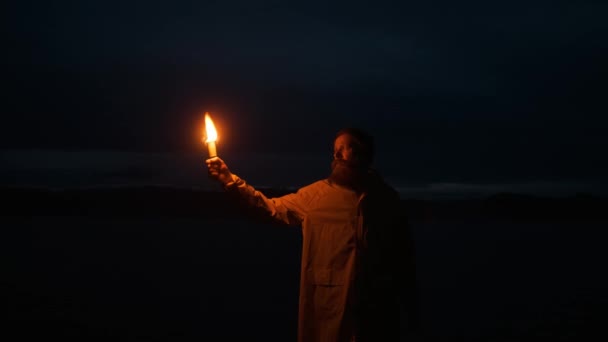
<point>337,155</point>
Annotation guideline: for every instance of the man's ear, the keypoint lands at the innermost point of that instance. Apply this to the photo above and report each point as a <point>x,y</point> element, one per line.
<point>362,156</point>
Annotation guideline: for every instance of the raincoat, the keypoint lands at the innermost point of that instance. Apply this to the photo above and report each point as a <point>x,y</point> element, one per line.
<point>357,274</point>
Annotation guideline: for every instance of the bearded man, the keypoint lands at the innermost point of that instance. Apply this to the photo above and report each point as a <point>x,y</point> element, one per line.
<point>357,278</point>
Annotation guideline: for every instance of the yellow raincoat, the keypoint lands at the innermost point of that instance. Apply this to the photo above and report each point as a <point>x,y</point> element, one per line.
<point>357,259</point>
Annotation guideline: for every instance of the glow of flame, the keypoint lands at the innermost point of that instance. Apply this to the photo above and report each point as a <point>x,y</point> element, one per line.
<point>211,133</point>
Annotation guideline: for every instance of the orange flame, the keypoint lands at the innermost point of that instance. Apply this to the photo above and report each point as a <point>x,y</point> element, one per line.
<point>211,133</point>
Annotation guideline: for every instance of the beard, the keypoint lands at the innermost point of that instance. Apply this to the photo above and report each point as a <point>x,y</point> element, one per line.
<point>347,173</point>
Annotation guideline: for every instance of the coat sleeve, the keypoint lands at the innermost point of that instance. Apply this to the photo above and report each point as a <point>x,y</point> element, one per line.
<point>286,210</point>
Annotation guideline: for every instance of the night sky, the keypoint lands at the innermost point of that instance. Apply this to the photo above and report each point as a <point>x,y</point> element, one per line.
<point>473,93</point>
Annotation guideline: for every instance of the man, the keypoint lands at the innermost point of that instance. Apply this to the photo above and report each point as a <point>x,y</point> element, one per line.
<point>357,270</point>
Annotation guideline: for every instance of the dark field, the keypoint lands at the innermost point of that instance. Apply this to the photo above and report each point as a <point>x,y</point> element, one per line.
<point>105,272</point>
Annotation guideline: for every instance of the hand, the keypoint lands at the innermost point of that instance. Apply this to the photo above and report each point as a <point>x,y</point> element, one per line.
<point>218,170</point>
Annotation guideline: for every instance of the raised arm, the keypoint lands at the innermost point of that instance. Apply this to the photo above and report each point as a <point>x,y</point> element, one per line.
<point>289,209</point>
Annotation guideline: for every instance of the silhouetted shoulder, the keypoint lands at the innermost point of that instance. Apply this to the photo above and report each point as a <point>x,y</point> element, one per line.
<point>379,187</point>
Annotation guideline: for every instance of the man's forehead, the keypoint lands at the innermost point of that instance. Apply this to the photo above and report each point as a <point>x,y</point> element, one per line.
<point>344,139</point>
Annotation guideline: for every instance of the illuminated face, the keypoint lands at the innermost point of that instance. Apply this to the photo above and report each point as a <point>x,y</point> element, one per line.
<point>344,148</point>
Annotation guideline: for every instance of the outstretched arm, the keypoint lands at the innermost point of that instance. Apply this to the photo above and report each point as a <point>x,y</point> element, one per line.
<point>289,209</point>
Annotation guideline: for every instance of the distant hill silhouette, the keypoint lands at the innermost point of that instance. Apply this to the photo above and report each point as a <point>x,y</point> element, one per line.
<point>179,202</point>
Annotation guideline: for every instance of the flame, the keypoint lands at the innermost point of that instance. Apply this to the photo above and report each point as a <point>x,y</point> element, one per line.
<point>211,133</point>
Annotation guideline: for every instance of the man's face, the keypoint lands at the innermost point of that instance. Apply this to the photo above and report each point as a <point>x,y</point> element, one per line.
<point>344,149</point>
<point>346,167</point>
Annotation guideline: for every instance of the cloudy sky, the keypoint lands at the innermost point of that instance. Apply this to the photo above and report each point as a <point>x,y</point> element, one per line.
<point>455,92</point>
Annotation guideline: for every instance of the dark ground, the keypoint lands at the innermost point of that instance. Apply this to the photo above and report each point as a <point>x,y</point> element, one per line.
<point>160,264</point>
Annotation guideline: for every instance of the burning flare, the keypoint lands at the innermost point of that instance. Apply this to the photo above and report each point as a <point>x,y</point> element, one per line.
<point>211,135</point>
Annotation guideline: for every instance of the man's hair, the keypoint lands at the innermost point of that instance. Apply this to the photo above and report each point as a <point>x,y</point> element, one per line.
<point>365,142</point>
